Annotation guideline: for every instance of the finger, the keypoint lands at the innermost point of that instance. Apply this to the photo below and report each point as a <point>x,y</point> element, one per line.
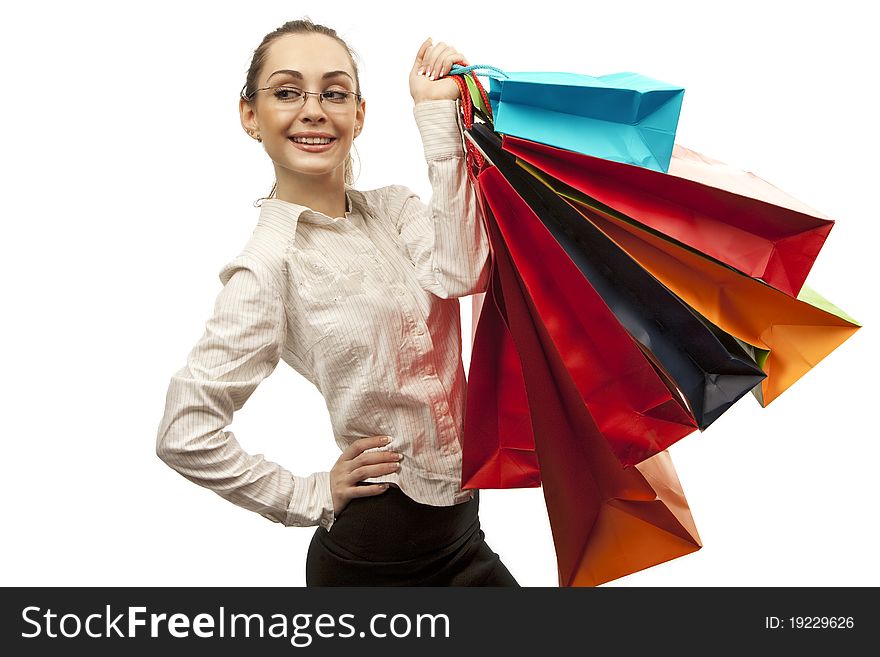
<point>429,57</point>
<point>368,471</point>
<point>423,50</point>
<point>449,60</point>
<point>368,489</point>
<point>371,458</point>
<point>426,57</point>
<point>445,62</point>
<point>435,58</point>
<point>362,444</point>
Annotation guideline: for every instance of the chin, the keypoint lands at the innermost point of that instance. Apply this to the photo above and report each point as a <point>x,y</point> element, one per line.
<point>315,169</point>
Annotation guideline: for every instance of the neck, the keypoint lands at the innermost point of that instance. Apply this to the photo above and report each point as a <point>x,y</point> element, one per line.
<point>325,194</point>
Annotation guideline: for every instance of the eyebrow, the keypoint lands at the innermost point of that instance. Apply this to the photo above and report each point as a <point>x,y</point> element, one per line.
<point>299,76</point>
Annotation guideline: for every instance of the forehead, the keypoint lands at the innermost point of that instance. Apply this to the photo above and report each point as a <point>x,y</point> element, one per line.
<point>311,54</point>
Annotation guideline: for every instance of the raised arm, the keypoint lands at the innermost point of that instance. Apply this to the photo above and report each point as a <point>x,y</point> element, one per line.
<point>446,240</point>
<point>241,346</point>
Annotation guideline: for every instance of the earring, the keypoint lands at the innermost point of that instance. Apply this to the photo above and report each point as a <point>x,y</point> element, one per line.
<point>255,135</point>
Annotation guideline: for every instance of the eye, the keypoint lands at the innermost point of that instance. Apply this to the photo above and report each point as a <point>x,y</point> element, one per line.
<point>335,96</point>
<point>288,93</point>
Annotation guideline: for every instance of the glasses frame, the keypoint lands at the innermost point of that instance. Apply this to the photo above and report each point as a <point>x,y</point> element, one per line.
<point>306,94</point>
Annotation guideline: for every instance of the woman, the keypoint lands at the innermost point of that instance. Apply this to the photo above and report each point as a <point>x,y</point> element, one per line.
<point>358,291</point>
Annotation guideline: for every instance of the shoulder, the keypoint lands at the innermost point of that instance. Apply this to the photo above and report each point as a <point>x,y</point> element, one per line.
<point>250,272</point>
<point>382,195</point>
<point>387,201</point>
<point>262,258</point>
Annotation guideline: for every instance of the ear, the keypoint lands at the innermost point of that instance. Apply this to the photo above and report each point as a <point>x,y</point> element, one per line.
<point>247,116</point>
<point>359,117</point>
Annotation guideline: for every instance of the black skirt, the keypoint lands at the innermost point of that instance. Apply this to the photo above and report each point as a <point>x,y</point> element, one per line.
<point>391,540</point>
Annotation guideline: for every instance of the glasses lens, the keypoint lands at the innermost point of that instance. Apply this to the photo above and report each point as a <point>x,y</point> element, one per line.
<point>293,98</point>
<point>336,97</point>
<point>288,95</point>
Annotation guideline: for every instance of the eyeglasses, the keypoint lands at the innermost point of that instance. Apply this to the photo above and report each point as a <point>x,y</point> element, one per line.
<point>288,97</point>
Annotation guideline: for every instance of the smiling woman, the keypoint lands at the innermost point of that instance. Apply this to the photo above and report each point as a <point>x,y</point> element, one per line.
<point>358,292</point>
<point>275,109</point>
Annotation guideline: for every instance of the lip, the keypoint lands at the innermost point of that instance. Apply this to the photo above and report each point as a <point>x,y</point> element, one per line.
<point>313,148</point>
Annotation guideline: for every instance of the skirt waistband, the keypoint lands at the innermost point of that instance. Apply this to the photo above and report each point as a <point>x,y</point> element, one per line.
<point>392,527</point>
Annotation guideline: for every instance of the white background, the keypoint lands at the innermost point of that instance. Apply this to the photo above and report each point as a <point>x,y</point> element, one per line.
<point>128,182</point>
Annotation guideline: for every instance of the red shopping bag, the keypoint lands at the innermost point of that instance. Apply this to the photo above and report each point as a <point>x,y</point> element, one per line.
<point>499,446</point>
<point>760,239</point>
<point>607,520</point>
<point>632,405</point>
<point>708,367</point>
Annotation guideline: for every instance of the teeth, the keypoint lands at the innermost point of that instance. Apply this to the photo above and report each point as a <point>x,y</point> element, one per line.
<point>312,140</point>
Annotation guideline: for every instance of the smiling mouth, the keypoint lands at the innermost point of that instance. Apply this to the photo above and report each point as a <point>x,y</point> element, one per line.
<point>314,141</point>
<point>312,148</point>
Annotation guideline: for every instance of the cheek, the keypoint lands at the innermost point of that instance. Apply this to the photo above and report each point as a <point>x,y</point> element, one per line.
<point>274,121</point>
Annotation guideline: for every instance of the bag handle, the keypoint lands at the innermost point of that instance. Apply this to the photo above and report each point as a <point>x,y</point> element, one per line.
<point>459,70</point>
<point>476,89</point>
<point>465,78</point>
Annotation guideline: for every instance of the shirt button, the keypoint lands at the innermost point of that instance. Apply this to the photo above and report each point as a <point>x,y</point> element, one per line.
<point>429,369</point>
<point>443,407</point>
<point>420,331</point>
<point>436,268</point>
<point>400,291</point>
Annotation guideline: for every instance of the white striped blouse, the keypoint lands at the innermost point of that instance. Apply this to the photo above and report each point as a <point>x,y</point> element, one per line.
<point>366,308</point>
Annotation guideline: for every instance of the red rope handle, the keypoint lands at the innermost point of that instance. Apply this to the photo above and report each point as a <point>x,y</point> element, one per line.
<point>476,161</point>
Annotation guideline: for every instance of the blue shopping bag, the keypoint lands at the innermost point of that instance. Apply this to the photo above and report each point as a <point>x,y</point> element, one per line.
<point>625,117</point>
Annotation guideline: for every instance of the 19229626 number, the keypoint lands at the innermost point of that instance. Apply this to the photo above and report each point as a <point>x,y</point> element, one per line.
<point>820,622</point>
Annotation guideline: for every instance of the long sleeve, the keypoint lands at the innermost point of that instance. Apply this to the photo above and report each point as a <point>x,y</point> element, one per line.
<point>446,240</point>
<point>240,347</point>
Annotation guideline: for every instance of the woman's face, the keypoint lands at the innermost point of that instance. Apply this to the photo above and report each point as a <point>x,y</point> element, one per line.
<point>303,61</point>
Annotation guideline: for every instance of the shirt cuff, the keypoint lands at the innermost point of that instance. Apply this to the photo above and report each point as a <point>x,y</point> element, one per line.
<point>312,502</point>
<point>439,123</point>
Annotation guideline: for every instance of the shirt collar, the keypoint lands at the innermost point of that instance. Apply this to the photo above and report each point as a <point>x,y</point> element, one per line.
<point>284,216</point>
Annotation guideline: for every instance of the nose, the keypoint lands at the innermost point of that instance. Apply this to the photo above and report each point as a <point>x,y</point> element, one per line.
<point>313,110</point>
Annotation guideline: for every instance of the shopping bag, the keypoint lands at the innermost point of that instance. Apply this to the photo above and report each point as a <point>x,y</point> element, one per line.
<point>499,451</point>
<point>692,165</point>
<point>624,117</point>
<point>607,520</point>
<point>797,332</point>
<point>708,367</point>
<point>761,238</point>
<point>786,337</point>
